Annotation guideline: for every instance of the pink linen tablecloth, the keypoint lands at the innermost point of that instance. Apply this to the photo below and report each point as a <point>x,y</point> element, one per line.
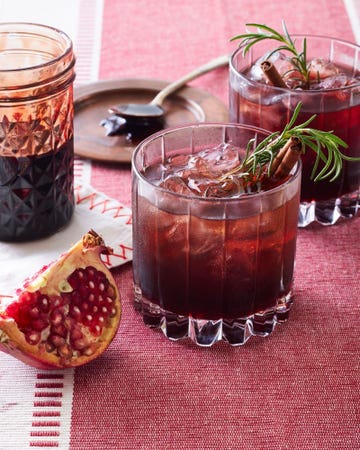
<point>299,388</point>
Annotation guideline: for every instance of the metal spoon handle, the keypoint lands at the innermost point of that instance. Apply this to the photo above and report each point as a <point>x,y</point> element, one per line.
<point>213,64</point>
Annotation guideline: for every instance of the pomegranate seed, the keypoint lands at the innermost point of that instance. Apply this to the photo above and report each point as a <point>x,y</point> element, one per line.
<point>76,334</point>
<point>76,299</point>
<point>87,320</point>
<point>34,312</point>
<point>26,298</point>
<point>33,337</point>
<point>75,312</point>
<point>44,304</point>
<point>67,297</point>
<point>56,317</point>
<point>101,277</point>
<point>70,323</point>
<point>91,297</point>
<point>56,340</point>
<point>79,344</point>
<point>102,287</point>
<point>49,347</point>
<point>89,351</point>
<point>65,351</point>
<point>101,320</point>
<point>75,278</point>
<point>95,309</point>
<point>113,312</point>
<point>111,292</point>
<point>91,271</point>
<point>39,324</point>
<point>91,285</point>
<point>83,291</point>
<point>96,330</point>
<point>60,330</point>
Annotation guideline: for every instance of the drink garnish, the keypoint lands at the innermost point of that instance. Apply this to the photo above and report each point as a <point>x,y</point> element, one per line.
<point>272,74</point>
<point>286,43</point>
<point>277,154</point>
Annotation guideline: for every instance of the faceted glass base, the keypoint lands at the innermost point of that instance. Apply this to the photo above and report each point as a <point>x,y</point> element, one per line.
<point>328,212</point>
<point>207,332</point>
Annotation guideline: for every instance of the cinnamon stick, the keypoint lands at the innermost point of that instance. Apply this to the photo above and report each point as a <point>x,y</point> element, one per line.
<point>272,74</point>
<point>286,158</point>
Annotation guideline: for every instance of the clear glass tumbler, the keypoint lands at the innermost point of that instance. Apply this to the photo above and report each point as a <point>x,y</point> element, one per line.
<point>337,109</point>
<point>211,268</point>
<point>36,131</point>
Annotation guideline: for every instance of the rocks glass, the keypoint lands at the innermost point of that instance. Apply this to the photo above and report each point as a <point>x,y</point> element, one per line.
<point>337,109</point>
<point>36,131</point>
<point>210,268</point>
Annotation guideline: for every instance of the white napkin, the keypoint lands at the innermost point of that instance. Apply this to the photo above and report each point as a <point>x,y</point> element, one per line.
<point>93,210</point>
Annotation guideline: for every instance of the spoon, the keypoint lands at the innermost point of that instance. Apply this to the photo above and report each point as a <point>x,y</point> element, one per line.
<point>138,120</point>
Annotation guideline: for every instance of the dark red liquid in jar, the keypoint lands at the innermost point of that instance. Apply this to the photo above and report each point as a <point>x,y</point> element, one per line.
<point>36,193</point>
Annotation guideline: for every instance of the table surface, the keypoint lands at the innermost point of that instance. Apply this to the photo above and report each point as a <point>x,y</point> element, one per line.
<point>299,388</point>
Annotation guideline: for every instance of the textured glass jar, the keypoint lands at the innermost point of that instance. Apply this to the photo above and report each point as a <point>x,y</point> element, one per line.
<point>36,131</point>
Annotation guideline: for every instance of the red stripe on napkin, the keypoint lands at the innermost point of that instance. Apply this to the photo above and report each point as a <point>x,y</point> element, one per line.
<point>45,433</point>
<point>44,444</point>
<point>46,414</point>
<point>45,424</point>
<point>44,428</point>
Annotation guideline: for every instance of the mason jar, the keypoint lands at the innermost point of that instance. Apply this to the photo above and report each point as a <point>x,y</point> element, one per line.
<point>36,131</point>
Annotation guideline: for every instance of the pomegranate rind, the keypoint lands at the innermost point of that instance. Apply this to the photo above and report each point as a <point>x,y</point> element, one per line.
<point>51,281</point>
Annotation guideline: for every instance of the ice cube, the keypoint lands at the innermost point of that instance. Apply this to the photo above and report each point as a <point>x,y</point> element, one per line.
<point>176,184</point>
<point>213,163</point>
<point>255,72</point>
<point>333,82</point>
<point>320,68</point>
<point>231,187</point>
<point>178,161</point>
<point>282,63</point>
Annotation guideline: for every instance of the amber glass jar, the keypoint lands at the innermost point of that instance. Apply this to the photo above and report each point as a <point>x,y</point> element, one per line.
<point>36,131</point>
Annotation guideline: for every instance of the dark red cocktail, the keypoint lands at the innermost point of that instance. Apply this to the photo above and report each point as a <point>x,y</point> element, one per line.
<point>334,98</point>
<point>210,261</point>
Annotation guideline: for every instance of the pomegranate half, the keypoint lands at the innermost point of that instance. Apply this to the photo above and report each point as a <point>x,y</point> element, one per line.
<point>65,315</point>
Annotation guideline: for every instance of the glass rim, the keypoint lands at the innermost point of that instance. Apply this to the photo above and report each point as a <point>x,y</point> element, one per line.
<point>242,198</point>
<point>32,26</point>
<point>293,91</point>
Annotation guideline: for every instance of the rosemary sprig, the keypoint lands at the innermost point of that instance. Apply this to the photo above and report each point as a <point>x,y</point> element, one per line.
<point>259,157</point>
<point>298,60</point>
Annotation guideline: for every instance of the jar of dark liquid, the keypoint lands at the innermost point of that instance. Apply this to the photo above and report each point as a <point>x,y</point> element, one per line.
<point>36,131</point>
